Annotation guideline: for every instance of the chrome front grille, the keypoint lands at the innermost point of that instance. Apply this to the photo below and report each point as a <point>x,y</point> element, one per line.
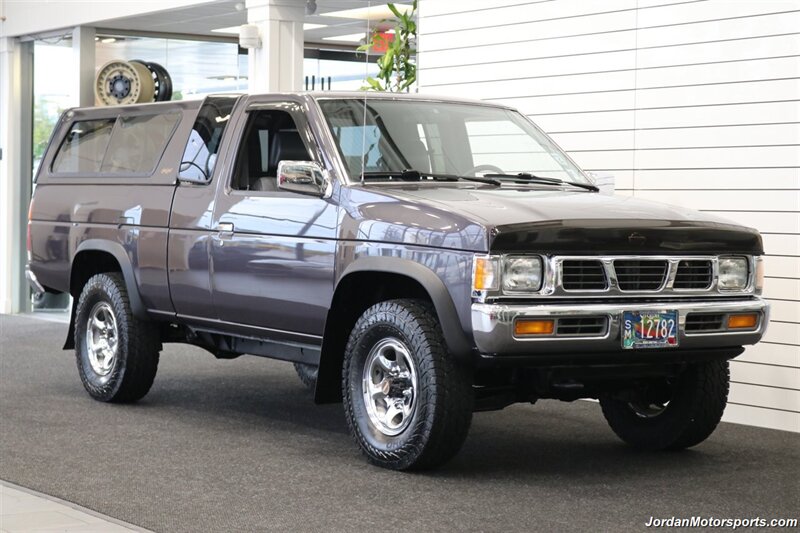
<point>628,276</point>
<point>640,274</point>
<point>583,275</point>
<point>693,274</point>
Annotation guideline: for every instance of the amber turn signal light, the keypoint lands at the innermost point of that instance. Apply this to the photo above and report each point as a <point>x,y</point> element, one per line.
<point>534,327</point>
<point>746,321</point>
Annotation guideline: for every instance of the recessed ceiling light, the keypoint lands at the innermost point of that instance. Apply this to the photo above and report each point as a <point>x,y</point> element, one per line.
<point>108,40</point>
<point>368,13</point>
<point>350,38</point>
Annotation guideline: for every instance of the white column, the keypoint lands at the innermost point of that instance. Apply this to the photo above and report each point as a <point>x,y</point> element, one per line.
<point>16,107</point>
<point>83,59</point>
<point>276,66</point>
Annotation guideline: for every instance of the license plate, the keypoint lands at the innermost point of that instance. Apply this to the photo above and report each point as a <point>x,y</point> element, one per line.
<point>649,329</point>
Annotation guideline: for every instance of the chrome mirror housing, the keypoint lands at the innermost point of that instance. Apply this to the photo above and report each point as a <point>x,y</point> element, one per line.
<point>303,177</point>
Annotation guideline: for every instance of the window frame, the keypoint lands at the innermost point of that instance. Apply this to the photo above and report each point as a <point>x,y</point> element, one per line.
<point>307,135</point>
<point>348,180</point>
<point>116,118</point>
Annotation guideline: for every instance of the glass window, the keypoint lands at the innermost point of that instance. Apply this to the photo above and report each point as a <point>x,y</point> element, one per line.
<point>84,147</point>
<point>503,144</point>
<point>271,136</point>
<point>137,143</point>
<point>200,154</point>
<point>440,137</point>
<point>197,68</point>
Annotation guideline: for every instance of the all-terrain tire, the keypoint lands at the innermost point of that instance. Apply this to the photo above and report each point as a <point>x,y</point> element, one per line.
<point>133,366</point>
<point>444,400</point>
<point>697,400</point>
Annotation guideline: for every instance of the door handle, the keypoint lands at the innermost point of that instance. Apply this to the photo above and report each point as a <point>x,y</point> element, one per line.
<point>225,231</point>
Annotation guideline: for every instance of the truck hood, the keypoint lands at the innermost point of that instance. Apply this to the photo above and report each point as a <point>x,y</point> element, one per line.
<point>527,219</point>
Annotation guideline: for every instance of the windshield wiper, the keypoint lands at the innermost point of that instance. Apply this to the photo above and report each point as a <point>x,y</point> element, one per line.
<point>524,177</point>
<point>417,175</point>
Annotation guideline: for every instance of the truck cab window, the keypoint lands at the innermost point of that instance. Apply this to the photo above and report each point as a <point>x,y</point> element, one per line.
<point>270,136</point>
<point>200,154</point>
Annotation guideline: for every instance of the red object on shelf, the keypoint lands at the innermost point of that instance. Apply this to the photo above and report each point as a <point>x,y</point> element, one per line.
<point>381,40</point>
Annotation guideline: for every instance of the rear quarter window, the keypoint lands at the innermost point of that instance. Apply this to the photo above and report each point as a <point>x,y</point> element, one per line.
<point>137,143</point>
<point>125,145</point>
<point>84,147</point>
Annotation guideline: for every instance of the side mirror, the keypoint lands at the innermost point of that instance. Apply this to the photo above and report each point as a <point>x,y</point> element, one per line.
<point>604,182</point>
<point>303,177</point>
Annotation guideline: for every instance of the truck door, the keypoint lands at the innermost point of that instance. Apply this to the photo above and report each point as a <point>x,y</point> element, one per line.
<point>272,255</point>
<point>191,222</point>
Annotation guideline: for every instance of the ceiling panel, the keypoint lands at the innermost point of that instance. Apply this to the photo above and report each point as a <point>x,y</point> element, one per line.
<point>202,18</point>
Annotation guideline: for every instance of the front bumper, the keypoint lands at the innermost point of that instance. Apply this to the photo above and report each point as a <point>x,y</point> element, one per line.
<point>493,326</point>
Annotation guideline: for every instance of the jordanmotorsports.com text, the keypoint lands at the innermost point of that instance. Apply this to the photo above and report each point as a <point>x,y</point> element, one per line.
<point>710,521</point>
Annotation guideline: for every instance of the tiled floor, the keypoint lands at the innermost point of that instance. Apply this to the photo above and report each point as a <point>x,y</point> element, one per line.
<point>27,511</point>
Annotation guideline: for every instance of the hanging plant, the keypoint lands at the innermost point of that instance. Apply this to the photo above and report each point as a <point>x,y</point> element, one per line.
<point>397,69</point>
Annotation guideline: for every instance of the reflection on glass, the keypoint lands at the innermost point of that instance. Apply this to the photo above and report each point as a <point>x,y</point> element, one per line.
<point>407,134</point>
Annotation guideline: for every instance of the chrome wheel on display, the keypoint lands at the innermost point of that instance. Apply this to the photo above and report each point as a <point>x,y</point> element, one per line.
<point>389,386</point>
<point>102,338</point>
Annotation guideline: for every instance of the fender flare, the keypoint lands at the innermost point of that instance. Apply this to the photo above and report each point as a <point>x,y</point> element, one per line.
<point>454,334</point>
<point>118,252</point>
<point>328,388</point>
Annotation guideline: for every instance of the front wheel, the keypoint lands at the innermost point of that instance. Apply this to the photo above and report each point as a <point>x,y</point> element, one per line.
<point>671,414</point>
<point>408,403</point>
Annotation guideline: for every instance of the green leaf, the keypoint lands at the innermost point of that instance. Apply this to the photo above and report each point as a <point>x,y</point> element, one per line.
<point>394,10</point>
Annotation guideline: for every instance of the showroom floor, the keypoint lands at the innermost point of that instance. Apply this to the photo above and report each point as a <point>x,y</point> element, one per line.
<point>239,445</point>
<point>25,511</point>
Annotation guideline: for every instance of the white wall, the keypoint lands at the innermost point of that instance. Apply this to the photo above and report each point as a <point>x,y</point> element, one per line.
<point>695,103</point>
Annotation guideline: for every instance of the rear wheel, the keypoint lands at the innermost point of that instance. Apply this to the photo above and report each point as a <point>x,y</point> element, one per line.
<point>408,403</point>
<point>671,414</point>
<point>117,354</point>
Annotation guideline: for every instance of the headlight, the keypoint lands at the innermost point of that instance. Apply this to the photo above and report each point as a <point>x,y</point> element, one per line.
<point>522,274</point>
<point>509,273</point>
<point>732,273</point>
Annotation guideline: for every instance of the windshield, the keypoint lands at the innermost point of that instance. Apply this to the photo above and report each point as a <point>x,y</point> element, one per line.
<point>441,138</point>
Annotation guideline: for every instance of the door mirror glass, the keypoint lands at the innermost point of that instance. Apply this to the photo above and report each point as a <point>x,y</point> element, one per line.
<point>304,177</point>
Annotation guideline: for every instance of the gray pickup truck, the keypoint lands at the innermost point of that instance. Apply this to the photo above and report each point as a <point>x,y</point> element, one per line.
<point>417,258</point>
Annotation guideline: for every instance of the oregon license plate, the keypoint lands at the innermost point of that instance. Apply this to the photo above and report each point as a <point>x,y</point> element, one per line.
<point>649,329</point>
